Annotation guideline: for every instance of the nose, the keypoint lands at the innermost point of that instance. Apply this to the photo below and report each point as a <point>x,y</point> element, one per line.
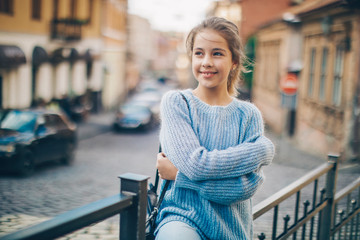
<point>207,61</point>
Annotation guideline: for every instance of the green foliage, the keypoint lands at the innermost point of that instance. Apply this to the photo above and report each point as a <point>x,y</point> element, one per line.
<point>250,53</point>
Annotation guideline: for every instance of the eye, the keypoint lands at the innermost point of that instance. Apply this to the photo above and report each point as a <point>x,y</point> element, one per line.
<point>218,54</point>
<point>198,53</point>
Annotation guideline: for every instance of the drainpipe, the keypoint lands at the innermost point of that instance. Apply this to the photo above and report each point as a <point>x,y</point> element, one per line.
<point>356,106</point>
<point>294,67</point>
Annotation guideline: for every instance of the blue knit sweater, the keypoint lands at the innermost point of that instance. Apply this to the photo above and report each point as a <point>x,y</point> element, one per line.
<point>218,151</point>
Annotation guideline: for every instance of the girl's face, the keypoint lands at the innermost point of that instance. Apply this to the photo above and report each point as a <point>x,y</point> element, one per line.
<point>211,60</point>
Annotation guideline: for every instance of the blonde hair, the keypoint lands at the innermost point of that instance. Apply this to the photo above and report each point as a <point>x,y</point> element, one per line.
<point>230,33</point>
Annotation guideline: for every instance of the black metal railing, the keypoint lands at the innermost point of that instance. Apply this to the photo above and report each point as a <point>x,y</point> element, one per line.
<point>317,217</point>
<point>130,204</point>
<point>346,215</point>
<point>306,221</point>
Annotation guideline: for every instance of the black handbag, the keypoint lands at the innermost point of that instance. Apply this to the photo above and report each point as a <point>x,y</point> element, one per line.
<point>153,205</point>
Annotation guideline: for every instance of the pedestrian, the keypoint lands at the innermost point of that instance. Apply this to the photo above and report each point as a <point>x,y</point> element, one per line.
<point>213,144</point>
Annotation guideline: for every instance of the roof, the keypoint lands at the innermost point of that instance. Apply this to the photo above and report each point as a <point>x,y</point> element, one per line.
<point>312,5</point>
<point>308,7</point>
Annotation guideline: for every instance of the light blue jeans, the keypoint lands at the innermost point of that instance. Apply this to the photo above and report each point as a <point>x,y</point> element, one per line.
<point>177,230</point>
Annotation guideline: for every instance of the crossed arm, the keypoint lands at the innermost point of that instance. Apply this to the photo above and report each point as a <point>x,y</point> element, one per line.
<point>223,176</point>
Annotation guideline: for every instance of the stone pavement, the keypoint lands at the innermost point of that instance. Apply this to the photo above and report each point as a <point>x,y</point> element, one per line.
<point>106,230</point>
<point>289,164</point>
<point>96,124</point>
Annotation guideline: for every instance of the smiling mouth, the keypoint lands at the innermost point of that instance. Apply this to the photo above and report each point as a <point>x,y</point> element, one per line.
<point>208,74</point>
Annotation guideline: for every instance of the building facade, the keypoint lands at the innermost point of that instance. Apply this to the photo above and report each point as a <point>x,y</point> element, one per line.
<point>316,42</point>
<point>53,49</point>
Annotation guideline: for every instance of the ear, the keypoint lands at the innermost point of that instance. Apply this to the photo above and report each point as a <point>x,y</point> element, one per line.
<point>235,63</point>
<point>234,66</point>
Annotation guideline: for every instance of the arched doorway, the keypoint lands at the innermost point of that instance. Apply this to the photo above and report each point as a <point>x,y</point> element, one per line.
<point>39,56</point>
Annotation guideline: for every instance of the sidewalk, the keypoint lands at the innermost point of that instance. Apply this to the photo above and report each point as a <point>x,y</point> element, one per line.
<point>95,124</point>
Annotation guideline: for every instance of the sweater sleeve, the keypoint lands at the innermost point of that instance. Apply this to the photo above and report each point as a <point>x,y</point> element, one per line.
<point>195,162</point>
<point>224,191</point>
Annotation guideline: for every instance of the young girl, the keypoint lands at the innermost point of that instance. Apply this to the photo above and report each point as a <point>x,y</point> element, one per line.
<point>213,144</point>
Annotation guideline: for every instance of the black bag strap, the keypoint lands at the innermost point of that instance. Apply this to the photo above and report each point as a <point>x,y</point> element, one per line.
<point>167,182</point>
<point>157,171</point>
<point>157,174</point>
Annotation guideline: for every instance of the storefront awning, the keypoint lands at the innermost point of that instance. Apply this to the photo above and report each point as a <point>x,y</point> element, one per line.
<point>65,54</point>
<point>11,56</point>
<point>39,56</point>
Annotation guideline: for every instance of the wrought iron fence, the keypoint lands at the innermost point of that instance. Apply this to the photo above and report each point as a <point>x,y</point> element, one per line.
<point>321,215</point>
<point>346,215</point>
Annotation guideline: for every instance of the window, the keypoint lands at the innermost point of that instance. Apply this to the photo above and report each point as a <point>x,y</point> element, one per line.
<point>338,71</point>
<point>322,91</point>
<point>36,9</point>
<point>73,8</point>
<point>55,9</point>
<point>269,67</point>
<point>312,72</point>
<point>91,6</point>
<point>7,6</point>
<point>19,121</point>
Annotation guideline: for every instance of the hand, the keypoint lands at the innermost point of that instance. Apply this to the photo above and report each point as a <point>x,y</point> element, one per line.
<point>167,170</point>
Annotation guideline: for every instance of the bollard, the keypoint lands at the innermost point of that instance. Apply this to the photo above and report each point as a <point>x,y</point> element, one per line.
<point>132,220</point>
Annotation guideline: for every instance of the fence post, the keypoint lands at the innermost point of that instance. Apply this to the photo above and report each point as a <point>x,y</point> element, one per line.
<point>132,220</point>
<point>327,212</point>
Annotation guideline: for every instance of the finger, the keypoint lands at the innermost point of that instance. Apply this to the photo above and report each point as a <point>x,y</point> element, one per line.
<point>159,156</point>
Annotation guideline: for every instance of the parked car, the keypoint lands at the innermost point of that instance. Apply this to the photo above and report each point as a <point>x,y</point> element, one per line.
<point>29,137</point>
<point>76,108</point>
<point>150,99</point>
<point>133,116</point>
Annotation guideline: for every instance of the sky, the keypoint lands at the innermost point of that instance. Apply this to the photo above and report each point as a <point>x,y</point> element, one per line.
<point>170,15</point>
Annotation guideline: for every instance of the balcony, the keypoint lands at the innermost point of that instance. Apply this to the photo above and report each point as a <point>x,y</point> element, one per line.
<point>67,29</point>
